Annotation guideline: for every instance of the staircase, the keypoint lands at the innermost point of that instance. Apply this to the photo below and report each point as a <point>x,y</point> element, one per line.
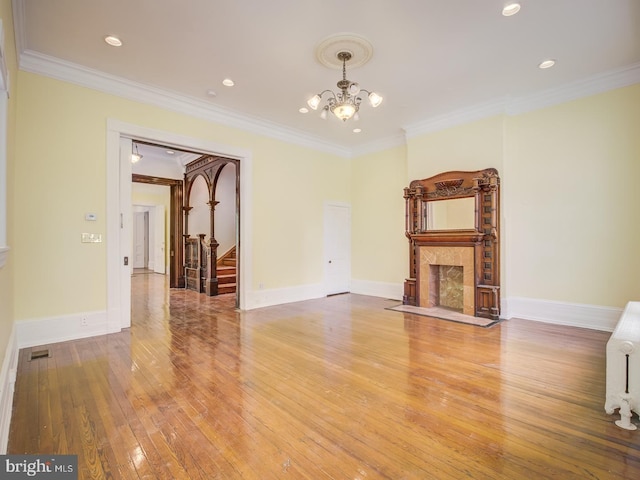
<point>226,271</point>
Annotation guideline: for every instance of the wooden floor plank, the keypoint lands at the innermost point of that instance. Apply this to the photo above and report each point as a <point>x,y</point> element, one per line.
<point>333,388</point>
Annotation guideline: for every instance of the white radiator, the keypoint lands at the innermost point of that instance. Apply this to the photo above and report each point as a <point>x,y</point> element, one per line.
<point>623,367</point>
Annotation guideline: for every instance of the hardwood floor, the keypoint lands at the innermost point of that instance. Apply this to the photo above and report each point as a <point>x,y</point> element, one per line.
<point>335,388</point>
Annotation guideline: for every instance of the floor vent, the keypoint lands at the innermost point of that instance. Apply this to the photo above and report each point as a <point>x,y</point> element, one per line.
<point>37,354</point>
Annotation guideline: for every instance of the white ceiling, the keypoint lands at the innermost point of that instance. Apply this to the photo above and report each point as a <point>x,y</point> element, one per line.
<point>161,161</point>
<point>430,57</point>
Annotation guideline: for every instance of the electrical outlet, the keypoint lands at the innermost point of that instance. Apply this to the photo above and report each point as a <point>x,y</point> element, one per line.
<point>84,322</point>
<point>261,286</point>
<point>91,238</point>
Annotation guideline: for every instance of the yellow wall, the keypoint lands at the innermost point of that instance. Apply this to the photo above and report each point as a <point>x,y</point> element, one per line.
<point>468,147</point>
<point>378,245</point>
<point>288,207</point>
<point>569,203</point>
<point>472,146</point>
<point>569,199</point>
<point>573,201</point>
<point>60,176</point>
<point>7,272</point>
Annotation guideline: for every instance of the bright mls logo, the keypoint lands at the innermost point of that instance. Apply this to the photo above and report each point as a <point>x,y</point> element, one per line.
<point>49,467</point>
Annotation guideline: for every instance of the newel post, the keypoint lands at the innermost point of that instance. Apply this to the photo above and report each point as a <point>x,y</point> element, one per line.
<point>211,285</point>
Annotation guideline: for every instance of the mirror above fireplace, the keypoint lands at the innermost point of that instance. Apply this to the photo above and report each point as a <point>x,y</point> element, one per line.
<point>452,221</point>
<point>450,214</point>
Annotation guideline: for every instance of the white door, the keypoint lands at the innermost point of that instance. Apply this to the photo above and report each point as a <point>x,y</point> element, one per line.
<point>337,248</point>
<point>140,239</point>
<point>159,240</point>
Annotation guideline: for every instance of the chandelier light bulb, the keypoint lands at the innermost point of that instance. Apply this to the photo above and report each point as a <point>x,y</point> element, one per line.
<point>314,101</point>
<point>375,99</point>
<point>344,111</point>
<point>323,113</point>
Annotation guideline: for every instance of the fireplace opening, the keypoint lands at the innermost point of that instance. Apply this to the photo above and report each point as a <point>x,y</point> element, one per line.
<point>446,287</point>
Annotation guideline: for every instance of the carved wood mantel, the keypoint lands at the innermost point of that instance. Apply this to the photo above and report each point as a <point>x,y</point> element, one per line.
<point>483,237</point>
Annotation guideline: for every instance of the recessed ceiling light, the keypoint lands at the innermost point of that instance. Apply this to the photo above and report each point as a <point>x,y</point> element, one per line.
<point>211,93</point>
<point>357,130</point>
<point>113,41</point>
<point>510,9</point>
<point>227,82</point>
<point>303,110</point>
<point>547,64</point>
<point>170,152</point>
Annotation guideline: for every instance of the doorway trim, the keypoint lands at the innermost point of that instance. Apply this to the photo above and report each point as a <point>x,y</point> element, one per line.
<point>176,275</point>
<point>118,299</point>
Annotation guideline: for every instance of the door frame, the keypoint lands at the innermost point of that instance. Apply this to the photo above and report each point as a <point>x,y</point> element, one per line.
<point>119,221</point>
<point>156,221</point>
<point>176,275</point>
<point>159,247</point>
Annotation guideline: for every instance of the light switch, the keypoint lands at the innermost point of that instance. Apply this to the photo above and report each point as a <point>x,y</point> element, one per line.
<point>91,238</point>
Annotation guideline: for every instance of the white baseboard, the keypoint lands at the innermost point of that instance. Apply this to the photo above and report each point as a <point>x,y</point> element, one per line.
<point>595,317</point>
<point>7,383</point>
<point>43,331</point>
<point>393,291</point>
<point>278,296</point>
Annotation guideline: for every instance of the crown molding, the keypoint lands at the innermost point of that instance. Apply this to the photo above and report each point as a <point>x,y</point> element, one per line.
<point>45,65</point>
<point>604,82</point>
<point>58,69</point>
<point>379,145</point>
<point>600,83</point>
<point>456,117</point>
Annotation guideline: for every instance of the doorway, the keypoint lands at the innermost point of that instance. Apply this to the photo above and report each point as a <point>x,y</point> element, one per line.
<point>191,218</point>
<point>140,238</point>
<point>119,215</point>
<point>150,237</point>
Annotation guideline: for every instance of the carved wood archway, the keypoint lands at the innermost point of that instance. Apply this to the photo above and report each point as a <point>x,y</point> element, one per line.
<point>200,257</point>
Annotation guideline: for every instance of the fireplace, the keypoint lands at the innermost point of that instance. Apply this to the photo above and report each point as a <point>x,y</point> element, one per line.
<point>438,267</point>
<point>452,223</point>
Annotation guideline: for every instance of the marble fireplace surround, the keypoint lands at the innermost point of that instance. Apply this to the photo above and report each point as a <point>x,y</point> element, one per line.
<point>459,256</point>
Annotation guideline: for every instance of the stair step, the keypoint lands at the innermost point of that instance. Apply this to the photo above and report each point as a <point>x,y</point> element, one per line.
<point>226,279</point>
<point>226,288</point>
<point>226,270</point>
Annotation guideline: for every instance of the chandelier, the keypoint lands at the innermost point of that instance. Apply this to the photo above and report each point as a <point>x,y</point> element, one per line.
<point>345,103</point>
